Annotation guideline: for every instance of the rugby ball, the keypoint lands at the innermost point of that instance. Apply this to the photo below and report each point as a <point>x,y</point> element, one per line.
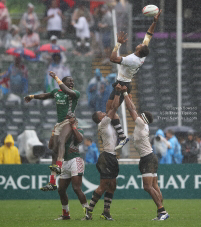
<point>150,10</point>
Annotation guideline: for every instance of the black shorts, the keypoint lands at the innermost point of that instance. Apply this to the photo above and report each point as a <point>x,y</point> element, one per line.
<point>107,166</point>
<point>148,164</point>
<point>127,84</point>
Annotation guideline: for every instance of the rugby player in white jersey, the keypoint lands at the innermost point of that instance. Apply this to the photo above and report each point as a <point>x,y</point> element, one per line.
<point>107,164</point>
<point>148,161</point>
<point>129,66</point>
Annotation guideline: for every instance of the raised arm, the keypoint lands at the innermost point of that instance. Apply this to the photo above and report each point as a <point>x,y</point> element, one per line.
<point>78,136</point>
<point>121,38</point>
<point>41,96</point>
<point>63,87</point>
<point>151,29</point>
<point>129,104</point>
<point>115,103</point>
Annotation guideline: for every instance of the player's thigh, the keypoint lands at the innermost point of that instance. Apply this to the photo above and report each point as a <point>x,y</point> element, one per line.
<point>76,182</point>
<point>65,131</point>
<point>147,182</point>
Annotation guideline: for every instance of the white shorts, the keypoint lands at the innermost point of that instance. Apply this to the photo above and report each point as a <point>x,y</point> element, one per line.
<point>71,168</point>
<point>58,127</point>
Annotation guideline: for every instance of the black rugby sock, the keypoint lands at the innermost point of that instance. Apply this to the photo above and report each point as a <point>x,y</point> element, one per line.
<point>94,200</point>
<point>118,128</point>
<point>107,202</point>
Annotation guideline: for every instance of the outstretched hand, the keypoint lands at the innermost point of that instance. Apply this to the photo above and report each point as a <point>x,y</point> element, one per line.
<point>52,74</point>
<point>121,37</point>
<point>157,16</point>
<point>118,87</point>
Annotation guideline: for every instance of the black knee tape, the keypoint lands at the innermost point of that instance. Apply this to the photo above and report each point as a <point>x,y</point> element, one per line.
<point>115,122</point>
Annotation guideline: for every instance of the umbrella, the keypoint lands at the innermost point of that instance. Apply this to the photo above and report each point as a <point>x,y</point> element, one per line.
<point>21,52</point>
<point>51,48</point>
<point>2,6</point>
<point>179,129</point>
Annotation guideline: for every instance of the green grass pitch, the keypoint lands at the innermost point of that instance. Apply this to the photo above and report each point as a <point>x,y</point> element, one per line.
<point>36,213</point>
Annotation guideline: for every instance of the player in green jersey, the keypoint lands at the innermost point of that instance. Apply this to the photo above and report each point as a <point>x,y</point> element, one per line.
<point>66,101</point>
<point>72,171</point>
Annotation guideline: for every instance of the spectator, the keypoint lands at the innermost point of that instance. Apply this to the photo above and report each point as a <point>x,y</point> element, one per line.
<point>30,39</point>
<point>121,17</point>
<point>56,66</point>
<point>110,79</point>
<point>54,20</point>
<point>82,34</point>
<point>12,39</point>
<point>95,31</point>
<point>18,77</point>
<point>190,149</point>
<point>198,140</point>
<point>47,57</point>
<point>86,14</point>
<point>160,144</point>
<point>8,152</point>
<point>5,21</point>
<point>96,92</point>
<point>28,19</point>
<point>92,151</point>
<point>106,27</point>
<point>174,152</point>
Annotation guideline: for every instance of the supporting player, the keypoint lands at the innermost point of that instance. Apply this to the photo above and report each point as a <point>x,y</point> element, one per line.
<point>72,171</point>
<point>107,164</point>
<point>66,101</point>
<point>148,161</point>
<point>129,66</point>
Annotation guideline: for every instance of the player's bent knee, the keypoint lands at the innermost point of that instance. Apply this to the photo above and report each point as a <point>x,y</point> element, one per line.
<point>61,191</point>
<point>147,188</point>
<point>76,189</point>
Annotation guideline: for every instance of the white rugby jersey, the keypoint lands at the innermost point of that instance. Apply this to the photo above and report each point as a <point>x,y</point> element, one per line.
<point>108,135</point>
<point>141,138</point>
<point>129,67</point>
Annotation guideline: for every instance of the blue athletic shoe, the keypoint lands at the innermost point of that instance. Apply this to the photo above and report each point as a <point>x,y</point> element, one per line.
<point>121,143</point>
<point>161,217</point>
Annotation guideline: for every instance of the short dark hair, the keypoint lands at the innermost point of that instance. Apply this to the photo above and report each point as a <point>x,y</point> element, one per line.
<point>144,51</point>
<point>170,131</point>
<point>66,77</point>
<point>95,118</point>
<point>89,139</point>
<point>148,116</point>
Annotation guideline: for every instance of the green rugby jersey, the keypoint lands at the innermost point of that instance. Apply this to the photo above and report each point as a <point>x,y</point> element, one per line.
<point>65,104</point>
<point>75,146</point>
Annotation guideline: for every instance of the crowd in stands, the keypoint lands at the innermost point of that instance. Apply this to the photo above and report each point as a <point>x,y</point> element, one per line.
<point>91,26</point>
<point>170,150</point>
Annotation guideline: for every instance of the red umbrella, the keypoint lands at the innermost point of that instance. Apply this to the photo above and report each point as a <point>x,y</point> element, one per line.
<point>51,48</point>
<point>2,5</point>
<point>21,52</point>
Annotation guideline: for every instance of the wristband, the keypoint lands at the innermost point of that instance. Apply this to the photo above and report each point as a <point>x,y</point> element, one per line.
<point>31,96</point>
<point>58,80</point>
<point>125,93</point>
<point>116,48</point>
<point>148,33</point>
<point>117,93</point>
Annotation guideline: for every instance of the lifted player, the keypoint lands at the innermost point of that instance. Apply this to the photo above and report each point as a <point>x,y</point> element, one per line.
<point>107,164</point>
<point>148,161</point>
<point>129,66</point>
<point>66,101</point>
